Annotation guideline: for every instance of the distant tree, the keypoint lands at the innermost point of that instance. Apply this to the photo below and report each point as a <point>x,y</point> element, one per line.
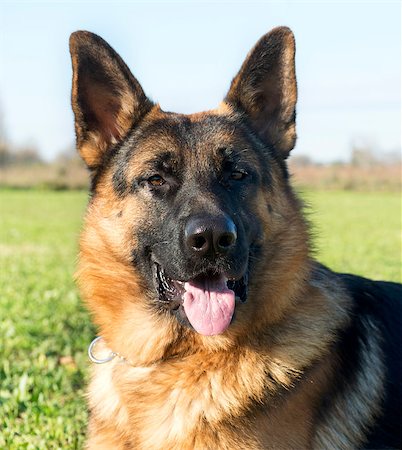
<point>68,156</point>
<point>27,156</point>
<point>363,152</point>
<point>392,157</point>
<point>5,153</point>
<point>302,160</point>
<point>3,135</point>
<point>6,156</point>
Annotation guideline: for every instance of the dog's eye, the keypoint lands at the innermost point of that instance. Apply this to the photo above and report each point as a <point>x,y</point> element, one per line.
<point>238,175</point>
<point>156,180</point>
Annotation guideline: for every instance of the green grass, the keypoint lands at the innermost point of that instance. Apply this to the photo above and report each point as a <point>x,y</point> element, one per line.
<point>44,330</point>
<point>357,232</point>
<point>42,321</point>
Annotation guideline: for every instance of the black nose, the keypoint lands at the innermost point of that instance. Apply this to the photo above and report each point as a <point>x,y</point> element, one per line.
<point>204,235</point>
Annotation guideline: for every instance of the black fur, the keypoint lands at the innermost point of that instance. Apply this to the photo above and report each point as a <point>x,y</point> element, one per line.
<point>381,302</point>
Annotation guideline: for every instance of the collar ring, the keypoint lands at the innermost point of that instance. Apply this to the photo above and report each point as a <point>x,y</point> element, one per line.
<point>93,358</point>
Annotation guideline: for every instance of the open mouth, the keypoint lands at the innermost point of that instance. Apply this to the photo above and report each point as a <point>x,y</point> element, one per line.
<point>206,302</point>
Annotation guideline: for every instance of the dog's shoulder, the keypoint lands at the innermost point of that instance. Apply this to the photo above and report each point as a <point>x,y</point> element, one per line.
<point>378,303</point>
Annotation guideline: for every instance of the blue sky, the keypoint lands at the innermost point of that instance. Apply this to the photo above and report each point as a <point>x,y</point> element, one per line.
<point>185,54</point>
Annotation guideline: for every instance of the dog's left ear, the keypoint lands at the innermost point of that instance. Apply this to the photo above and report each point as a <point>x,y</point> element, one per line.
<point>107,99</point>
<point>265,89</point>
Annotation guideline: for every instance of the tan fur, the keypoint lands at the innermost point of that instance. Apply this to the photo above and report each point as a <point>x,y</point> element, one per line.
<point>202,384</point>
<point>189,391</point>
<point>176,403</point>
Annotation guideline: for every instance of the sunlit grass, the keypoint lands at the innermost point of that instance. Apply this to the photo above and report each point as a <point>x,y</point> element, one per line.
<point>44,330</point>
<point>358,232</point>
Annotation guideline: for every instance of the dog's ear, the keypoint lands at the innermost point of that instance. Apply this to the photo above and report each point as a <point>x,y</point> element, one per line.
<point>265,89</point>
<point>106,98</point>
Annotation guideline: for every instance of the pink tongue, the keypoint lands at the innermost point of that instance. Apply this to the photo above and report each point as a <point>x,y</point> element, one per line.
<point>209,305</point>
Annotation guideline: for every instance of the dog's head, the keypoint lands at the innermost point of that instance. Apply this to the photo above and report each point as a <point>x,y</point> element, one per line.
<point>190,214</point>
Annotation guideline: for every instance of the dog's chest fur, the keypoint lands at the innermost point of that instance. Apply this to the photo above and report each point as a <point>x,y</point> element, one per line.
<point>187,405</point>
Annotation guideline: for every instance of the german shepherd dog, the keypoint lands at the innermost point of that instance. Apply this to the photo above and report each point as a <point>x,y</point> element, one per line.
<point>195,263</point>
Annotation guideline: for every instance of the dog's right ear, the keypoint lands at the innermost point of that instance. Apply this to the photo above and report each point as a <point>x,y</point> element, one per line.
<point>265,89</point>
<point>106,98</point>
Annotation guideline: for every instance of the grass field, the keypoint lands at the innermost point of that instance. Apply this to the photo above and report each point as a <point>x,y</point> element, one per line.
<point>44,330</point>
